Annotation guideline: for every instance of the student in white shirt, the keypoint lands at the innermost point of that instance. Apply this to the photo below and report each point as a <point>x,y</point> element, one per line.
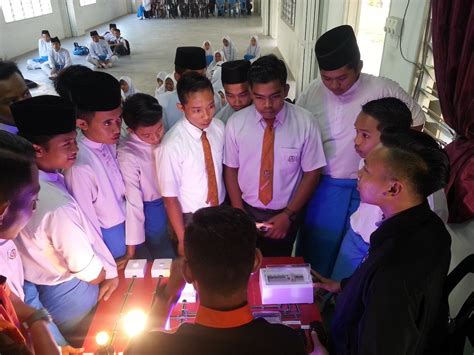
<point>207,46</point>
<point>100,54</point>
<point>119,45</point>
<point>146,214</point>
<point>376,117</point>
<point>187,59</point>
<point>335,100</point>
<point>189,161</point>
<point>253,51</point>
<point>126,86</point>
<point>58,59</point>
<point>236,88</point>
<point>95,180</point>
<point>44,45</point>
<point>228,48</point>
<point>160,81</point>
<point>273,157</point>
<point>109,35</point>
<point>12,89</point>
<point>62,254</point>
<point>217,59</point>
<point>18,195</point>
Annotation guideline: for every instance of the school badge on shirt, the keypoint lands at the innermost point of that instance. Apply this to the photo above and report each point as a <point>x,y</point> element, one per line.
<point>11,254</point>
<point>292,158</point>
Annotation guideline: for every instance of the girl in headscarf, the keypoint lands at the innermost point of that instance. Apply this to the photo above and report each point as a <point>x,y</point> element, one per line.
<point>218,60</point>
<point>206,45</point>
<point>170,83</point>
<point>230,52</point>
<point>253,50</point>
<point>128,89</point>
<point>160,81</point>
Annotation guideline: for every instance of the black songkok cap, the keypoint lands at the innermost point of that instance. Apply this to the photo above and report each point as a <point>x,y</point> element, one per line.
<point>45,32</point>
<point>193,58</point>
<point>112,25</point>
<point>336,48</point>
<point>235,71</point>
<point>44,115</point>
<point>96,91</point>
<point>94,33</point>
<point>55,39</point>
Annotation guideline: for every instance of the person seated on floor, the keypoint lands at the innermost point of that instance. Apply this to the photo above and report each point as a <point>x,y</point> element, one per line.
<point>44,45</point>
<point>224,322</point>
<point>109,35</point>
<point>119,45</point>
<point>19,189</point>
<point>58,59</point>
<point>100,54</point>
<point>394,303</point>
<point>12,89</point>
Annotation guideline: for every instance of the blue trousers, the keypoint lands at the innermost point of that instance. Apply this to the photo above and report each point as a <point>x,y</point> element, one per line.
<point>249,57</point>
<point>209,59</point>
<point>114,238</point>
<point>156,230</point>
<point>40,59</point>
<point>353,249</point>
<point>326,222</point>
<point>68,303</point>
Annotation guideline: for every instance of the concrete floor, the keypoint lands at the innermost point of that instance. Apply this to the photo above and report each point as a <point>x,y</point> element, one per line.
<point>153,43</point>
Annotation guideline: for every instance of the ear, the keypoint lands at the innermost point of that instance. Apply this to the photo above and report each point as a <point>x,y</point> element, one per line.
<point>258,260</point>
<point>187,273</point>
<point>287,89</point>
<point>177,76</point>
<point>129,130</point>
<point>180,106</point>
<point>39,150</point>
<point>82,124</point>
<point>396,189</point>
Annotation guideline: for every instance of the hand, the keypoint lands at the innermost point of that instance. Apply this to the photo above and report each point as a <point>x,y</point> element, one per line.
<point>176,282</point>
<point>107,287</point>
<point>318,348</point>
<point>68,349</point>
<point>324,283</point>
<point>279,225</point>
<point>122,262</point>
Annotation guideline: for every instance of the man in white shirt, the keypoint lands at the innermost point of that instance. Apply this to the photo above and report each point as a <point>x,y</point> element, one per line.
<point>58,59</point>
<point>63,256</point>
<point>109,35</point>
<point>189,161</point>
<point>100,54</point>
<point>273,157</point>
<point>335,101</point>
<point>12,89</point>
<point>118,44</point>
<point>187,59</point>
<point>44,45</point>
<point>236,87</point>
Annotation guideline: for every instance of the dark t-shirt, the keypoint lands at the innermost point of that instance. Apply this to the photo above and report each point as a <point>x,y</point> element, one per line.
<point>256,337</point>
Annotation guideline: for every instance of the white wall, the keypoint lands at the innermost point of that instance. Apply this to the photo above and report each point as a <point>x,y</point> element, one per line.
<point>393,65</point>
<point>96,14</point>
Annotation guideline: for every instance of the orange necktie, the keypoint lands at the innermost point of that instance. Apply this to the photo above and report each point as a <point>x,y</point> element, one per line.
<point>265,189</point>
<point>212,197</point>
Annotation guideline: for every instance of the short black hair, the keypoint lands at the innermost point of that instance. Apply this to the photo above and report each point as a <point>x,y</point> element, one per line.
<point>192,82</point>
<point>16,159</point>
<point>116,29</point>
<point>219,245</point>
<point>417,157</point>
<point>7,69</point>
<point>266,69</point>
<point>389,112</point>
<point>141,110</point>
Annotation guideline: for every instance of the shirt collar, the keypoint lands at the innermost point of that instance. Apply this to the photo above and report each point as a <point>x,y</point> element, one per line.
<point>279,118</point>
<point>348,94</point>
<point>137,139</point>
<point>91,144</point>
<point>45,176</point>
<point>194,131</point>
<point>224,319</point>
<point>398,225</point>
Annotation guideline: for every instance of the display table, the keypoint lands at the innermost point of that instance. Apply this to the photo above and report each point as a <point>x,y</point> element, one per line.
<point>137,294</point>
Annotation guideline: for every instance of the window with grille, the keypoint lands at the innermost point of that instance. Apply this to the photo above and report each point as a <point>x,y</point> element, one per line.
<point>288,12</point>
<point>16,10</point>
<point>86,2</point>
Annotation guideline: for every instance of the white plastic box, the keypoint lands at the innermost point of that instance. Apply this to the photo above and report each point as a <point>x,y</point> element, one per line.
<point>188,294</point>
<point>286,284</point>
<point>161,267</point>
<point>135,268</point>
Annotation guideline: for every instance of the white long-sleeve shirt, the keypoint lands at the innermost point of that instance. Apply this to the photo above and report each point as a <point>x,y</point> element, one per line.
<point>59,243</point>
<point>61,57</point>
<point>43,47</point>
<point>100,48</point>
<point>137,163</point>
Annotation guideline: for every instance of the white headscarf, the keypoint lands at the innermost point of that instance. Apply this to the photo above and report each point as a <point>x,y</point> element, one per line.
<point>170,76</point>
<point>131,88</point>
<point>208,51</point>
<point>254,50</point>
<point>160,89</point>
<point>214,63</point>
<point>230,52</point>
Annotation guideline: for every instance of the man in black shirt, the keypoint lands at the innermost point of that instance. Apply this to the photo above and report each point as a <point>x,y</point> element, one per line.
<point>394,302</point>
<point>220,254</point>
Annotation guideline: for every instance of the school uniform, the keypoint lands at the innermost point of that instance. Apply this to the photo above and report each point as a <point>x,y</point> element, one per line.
<point>252,53</point>
<point>336,197</point>
<point>12,268</point>
<point>58,60</point>
<point>109,36</point>
<point>43,50</point>
<point>96,183</point>
<point>120,46</point>
<point>297,149</point>
<point>230,52</point>
<point>181,166</point>
<point>100,51</point>
<point>62,253</point>
<point>146,214</point>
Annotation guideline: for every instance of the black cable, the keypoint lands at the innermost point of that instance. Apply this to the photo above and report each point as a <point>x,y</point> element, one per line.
<point>401,35</point>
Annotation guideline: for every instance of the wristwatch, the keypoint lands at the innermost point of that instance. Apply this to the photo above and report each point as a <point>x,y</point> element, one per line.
<point>39,314</point>
<point>290,213</point>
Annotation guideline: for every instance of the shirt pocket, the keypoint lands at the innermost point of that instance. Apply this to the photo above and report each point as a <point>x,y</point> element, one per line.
<point>290,159</point>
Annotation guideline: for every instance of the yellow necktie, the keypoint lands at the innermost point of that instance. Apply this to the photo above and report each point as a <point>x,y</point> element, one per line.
<point>265,190</point>
<point>212,196</point>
